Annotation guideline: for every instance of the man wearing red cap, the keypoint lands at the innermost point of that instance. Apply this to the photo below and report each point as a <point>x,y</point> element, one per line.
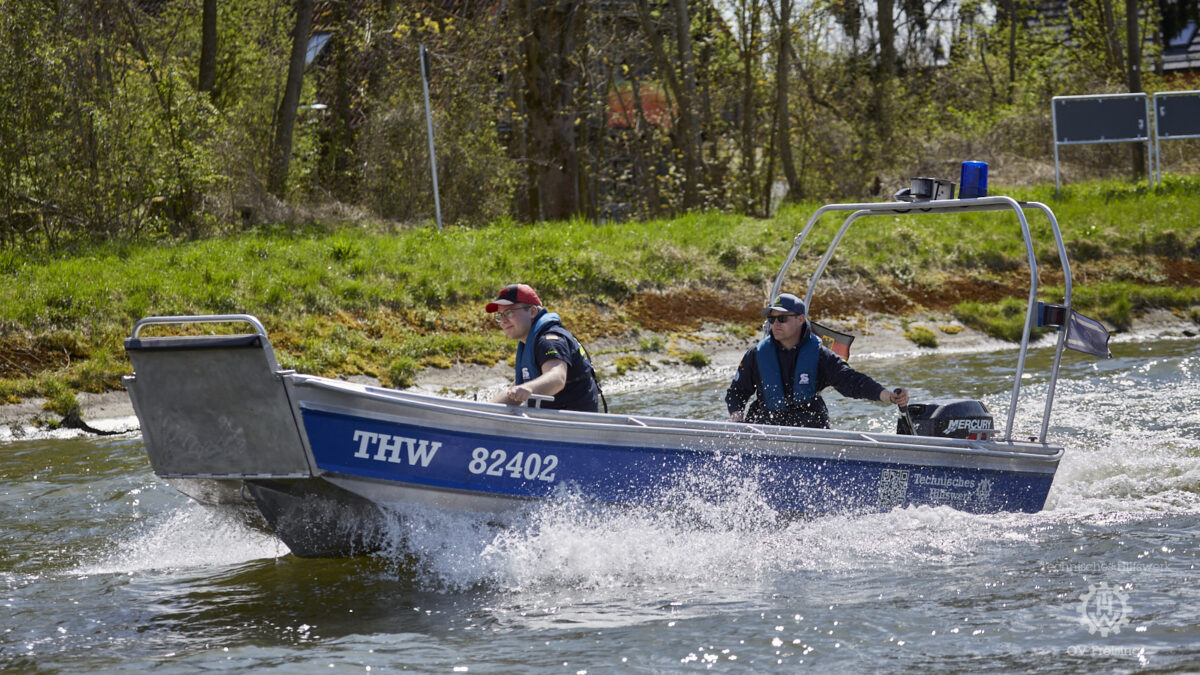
<point>550,361</point>
<point>787,369</point>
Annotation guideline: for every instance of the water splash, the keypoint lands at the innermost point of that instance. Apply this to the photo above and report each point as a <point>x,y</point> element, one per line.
<point>1134,433</point>
<point>188,537</point>
<point>687,539</point>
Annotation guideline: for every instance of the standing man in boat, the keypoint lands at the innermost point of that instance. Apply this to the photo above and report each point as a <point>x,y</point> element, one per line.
<point>550,361</point>
<point>787,369</point>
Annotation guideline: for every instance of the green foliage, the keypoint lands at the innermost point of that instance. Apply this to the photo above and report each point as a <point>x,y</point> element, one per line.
<point>60,399</point>
<point>1004,320</point>
<point>105,133</point>
<point>384,303</point>
<point>475,178</point>
<point>921,336</point>
<point>652,343</point>
<point>402,373</point>
<point>1119,312</point>
<point>627,363</point>
<point>106,137</point>
<point>1116,301</point>
<point>696,358</point>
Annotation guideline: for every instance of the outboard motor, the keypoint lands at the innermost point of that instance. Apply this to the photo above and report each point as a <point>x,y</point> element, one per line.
<point>947,418</point>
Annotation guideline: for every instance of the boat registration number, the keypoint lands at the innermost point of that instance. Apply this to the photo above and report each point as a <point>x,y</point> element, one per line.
<point>529,466</point>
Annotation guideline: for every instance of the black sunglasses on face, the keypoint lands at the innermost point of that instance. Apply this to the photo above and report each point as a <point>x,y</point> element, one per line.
<point>783,318</point>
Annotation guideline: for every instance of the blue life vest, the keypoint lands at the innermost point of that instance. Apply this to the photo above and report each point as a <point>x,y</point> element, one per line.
<point>525,360</point>
<point>804,382</point>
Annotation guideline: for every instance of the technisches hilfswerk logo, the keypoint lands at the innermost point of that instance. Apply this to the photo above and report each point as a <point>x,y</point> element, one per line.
<point>1103,609</point>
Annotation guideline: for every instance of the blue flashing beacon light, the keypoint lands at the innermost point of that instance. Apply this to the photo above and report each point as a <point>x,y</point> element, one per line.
<point>973,182</point>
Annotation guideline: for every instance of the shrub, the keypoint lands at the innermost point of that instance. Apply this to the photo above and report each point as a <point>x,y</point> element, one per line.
<point>651,343</point>
<point>60,399</point>
<point>626,363</point>
<point>402,373</point>
<point>921,336</point>
<point>1119,312</point>
<point>475,178</point>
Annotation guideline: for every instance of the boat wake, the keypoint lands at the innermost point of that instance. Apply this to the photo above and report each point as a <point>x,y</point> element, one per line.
<point>687,540</point>
<point>189,537</point>
<point>1135,438</point>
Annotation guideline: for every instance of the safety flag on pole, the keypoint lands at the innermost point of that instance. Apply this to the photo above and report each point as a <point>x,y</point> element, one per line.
<point>838,343</point>
<point>1087,335</point>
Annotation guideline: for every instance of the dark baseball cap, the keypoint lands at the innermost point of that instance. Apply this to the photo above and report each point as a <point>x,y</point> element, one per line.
<point>785,302</point>
<point>513,294</point>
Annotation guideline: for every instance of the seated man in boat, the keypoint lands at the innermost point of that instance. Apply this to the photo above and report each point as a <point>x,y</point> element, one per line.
<point>550,361</point>
<point>787,369</point>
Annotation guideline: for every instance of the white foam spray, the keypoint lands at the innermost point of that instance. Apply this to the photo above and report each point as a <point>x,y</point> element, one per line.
<point>187,537</point>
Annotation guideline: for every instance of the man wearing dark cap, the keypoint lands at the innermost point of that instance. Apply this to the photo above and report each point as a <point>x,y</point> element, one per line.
<point>787,369</point>
<point>550,361</point>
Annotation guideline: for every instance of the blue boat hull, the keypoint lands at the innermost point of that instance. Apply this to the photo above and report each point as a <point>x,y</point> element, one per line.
<point>471,463</point>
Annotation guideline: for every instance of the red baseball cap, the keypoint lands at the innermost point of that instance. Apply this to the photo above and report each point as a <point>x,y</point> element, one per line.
<point>513,294</point>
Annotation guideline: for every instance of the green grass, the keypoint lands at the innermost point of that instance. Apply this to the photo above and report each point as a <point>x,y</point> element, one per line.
<point>1004,320</point>
<point>653,343</point>
<point>921,336</point>
<point>627,363</point>
<point>387,302</point>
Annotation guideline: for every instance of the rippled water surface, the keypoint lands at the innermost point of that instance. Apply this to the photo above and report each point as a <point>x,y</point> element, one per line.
<point>105,568</point>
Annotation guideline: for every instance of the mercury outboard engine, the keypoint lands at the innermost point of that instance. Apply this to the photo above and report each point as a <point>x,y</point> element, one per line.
<point>948,418</point>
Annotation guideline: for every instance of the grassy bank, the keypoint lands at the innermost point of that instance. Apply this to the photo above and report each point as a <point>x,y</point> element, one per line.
<point>386,302</point>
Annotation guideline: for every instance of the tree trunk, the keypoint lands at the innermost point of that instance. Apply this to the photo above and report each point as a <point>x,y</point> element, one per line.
<point>704,82</point>
<point>285,118</point>
<point>782,78</point>
<point>1134,72</point>
<point>208,47</point>
<point>1115,58</point>
<point>749,30</point>
<point>685,129</point>
<point>687,103</point>
<point>340,179</point>
<point>1012,48</point>
<point>551,76</point>
<point>884,72</point>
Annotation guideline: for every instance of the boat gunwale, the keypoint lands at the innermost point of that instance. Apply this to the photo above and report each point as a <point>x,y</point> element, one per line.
<point>1042,454</point>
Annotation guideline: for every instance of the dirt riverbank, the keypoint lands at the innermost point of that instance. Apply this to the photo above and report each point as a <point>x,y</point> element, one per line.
<point>646,358</point>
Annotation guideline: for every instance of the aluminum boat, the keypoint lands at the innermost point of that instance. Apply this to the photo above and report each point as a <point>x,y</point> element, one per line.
<point>322,461</point>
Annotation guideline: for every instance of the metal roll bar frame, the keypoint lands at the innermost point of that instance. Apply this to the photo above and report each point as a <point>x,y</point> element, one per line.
<point>205,318</point>
<point>996,203</point>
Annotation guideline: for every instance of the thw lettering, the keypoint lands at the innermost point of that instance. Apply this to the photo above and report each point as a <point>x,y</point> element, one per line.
<point>395,449</point>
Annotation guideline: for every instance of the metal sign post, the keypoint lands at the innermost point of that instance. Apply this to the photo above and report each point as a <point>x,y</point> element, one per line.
<point>1101,118</point>
<point>437,202</point>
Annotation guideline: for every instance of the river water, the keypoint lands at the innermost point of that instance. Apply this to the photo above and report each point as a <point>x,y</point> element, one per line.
<point>106,569</point>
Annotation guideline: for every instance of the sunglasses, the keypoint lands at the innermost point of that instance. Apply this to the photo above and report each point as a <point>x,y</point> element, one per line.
<point>508,313</point>
<point>780,319</point>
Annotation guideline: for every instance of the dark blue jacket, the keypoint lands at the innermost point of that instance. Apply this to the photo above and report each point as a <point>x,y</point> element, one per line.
<point>832,371</point>
<point>550,340</point>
